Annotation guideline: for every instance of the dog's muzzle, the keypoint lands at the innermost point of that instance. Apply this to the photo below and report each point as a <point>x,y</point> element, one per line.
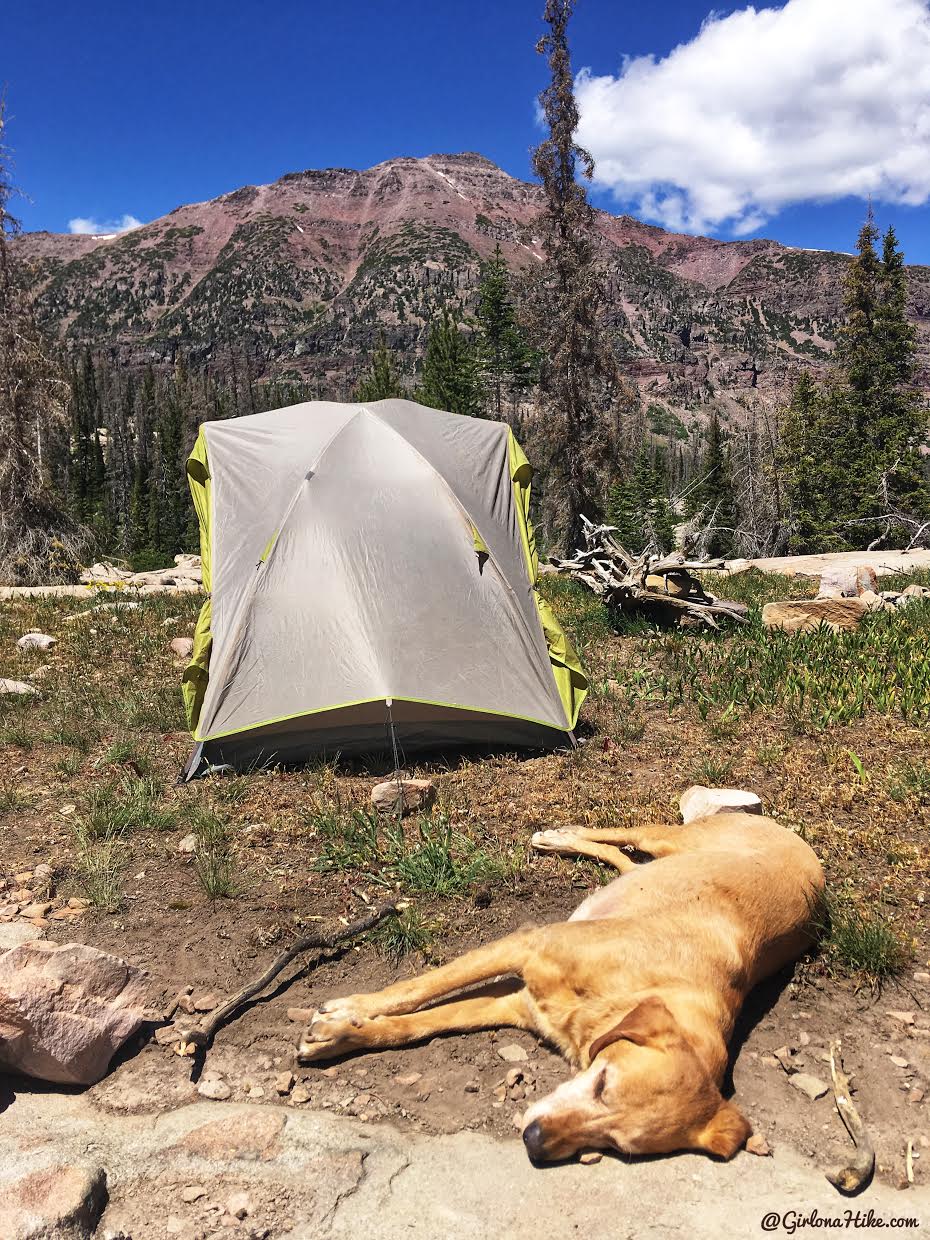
<point>535,1140</point>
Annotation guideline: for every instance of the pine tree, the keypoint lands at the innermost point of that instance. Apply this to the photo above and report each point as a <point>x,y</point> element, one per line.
<point>578,376</point>
<point>505,364</point>
<point>850,455</point>
<point>640,508</point>
<point>382,380</point>
<point>448,376</point>
<point>713,495</point>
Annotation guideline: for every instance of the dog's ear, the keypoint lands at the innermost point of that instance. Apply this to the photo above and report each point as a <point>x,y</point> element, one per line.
<point>725,1133</point>
<point>650,1023</point>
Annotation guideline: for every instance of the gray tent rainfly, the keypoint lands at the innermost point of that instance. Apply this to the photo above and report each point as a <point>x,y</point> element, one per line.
<point>369,565</point>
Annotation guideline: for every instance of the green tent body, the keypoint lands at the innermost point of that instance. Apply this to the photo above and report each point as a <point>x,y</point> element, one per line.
<point>372,576</point>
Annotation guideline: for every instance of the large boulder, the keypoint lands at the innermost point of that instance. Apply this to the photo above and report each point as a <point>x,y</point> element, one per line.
<point>700,802</point>
<point>56,1203</point>
<point>847,580</point>
<point>65,1009</point>
<point>805,614</point>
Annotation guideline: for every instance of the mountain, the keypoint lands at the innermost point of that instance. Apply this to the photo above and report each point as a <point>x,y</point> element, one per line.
<point>302,274</point>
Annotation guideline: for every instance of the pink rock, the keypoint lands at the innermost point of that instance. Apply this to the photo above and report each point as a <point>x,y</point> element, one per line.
<point>183,646</point>
<point>65,1009</point>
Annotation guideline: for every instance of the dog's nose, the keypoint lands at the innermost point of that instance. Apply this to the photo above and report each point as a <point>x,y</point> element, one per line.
<point>534,1139</point>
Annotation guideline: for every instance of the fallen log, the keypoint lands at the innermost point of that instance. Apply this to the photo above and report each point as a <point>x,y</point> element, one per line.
<point>197,1036</point>
<point>660,587</point>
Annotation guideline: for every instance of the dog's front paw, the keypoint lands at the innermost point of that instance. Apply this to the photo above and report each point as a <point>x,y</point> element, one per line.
<point>553,841</point>
<point>328,1036</point>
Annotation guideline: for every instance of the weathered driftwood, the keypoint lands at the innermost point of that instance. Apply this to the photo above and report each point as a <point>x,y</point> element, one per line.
<point>198,1034</point>
<point>855,1174</point>
<point>652,585</point>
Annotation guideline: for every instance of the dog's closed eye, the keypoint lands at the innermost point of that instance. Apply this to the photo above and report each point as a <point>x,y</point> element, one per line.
<point>599,1084</point>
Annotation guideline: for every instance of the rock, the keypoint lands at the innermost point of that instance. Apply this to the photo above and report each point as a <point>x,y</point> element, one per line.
<point>699,802</point>
<point>847,581</point>
<point>898,1061</point>
<point>32,911</point>
<point>257,1091</point>
<point>809,1085</point>
<point>65,1009</point>
<point>36,641</point>
<point>239,1205</point>
<point>216,1090</point>
<point>804,615</point>
<point>511,1053</point>
<point>167,1035</point>
<point>57,1203</point>
<point>14,686</point>
<point>16,932</point>
<point>675,584</point>
<point>192,1192</point>
<point>403,794</point>
<point>784,1055</point>
<point>915,591</point>
<point>182,646</point>
<point>302,1016</point>
<point>205,1003</point>
<point>188,844</point>
<point>916,1094</point>
<point>804,1038</point>
<point>410,1079</point>
<point>922,977</point>
<point>300,1093</point>
<point>758,1145</point>
<point>904,1018</point>
<point>873,601</point>
<point>283,1083</point>
<point>589,1157</point>
<point>249,1135</point>
<point>472,1087</point>
<point>169,621</point>
<point>514,1077</point>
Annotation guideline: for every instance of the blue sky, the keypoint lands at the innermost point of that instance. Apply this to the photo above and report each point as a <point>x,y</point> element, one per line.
<point>766,122</point>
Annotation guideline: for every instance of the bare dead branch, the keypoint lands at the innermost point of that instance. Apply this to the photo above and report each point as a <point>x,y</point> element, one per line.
<point>855,1174</point>
<point>632,583</point>
<point>199,1035</point>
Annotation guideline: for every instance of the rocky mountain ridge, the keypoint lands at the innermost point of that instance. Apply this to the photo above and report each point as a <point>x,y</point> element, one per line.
<point>301,275</point>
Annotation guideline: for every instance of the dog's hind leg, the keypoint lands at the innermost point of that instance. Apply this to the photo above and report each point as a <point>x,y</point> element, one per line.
<point>333,1034</point>
<point>498,959</point>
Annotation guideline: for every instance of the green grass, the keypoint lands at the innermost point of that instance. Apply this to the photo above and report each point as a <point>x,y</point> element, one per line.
<point>820,679</point>
<point>910,781</point>
<point>213,858</point>
<point>132,804</point>
<point>712,770</point>
<point>436,859</point>
<point>404,934</point>
<point>98,869</point>
<point>861,940</point>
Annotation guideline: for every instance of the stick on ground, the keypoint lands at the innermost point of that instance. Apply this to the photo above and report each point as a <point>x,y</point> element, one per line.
<point>198,1036</point>
<point>854,1175</point>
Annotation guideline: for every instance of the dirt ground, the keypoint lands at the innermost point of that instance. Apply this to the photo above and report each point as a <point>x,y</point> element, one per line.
<point>634,763</point>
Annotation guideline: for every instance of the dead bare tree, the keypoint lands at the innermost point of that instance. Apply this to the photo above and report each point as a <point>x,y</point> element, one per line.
<point>38,540</point>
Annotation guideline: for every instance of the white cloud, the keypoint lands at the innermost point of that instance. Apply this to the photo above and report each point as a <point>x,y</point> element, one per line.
<point>103,228</point>
<point>810,102</point>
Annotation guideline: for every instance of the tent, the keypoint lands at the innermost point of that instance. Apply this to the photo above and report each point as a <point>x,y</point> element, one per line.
<point>371,573</point>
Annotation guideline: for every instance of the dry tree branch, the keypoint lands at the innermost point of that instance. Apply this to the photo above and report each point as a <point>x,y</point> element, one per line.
<point>198,1036</point>
<point>855,1174</point>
